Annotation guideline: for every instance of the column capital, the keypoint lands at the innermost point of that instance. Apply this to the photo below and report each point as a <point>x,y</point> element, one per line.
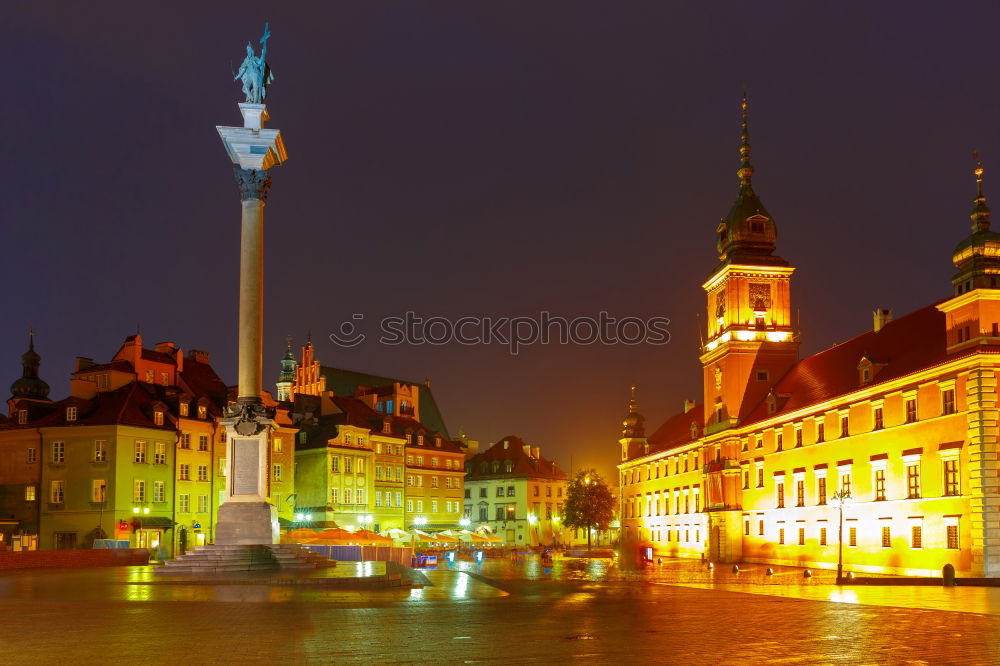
<point>253,183</point>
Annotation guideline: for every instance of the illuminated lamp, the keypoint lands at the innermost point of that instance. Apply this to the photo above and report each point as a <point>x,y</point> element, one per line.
<point>776,336</point>
<point>746,336</point>
<point>145,510</point>
<point>135,509</point>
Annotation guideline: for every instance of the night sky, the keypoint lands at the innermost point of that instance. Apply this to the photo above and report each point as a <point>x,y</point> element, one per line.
<point>470,158</point>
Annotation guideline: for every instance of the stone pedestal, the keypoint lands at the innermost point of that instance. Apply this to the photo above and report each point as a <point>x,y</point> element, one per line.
<point>246,524</point>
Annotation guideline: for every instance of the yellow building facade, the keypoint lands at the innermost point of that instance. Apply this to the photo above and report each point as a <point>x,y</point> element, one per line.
<point>900,422</point>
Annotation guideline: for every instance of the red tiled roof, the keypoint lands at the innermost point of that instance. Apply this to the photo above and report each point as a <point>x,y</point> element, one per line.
<point>128,405</point>
<point>676,431</point>
<point>119,365</point>
<point>158,357</point>
<point>903,346</point>
<point>524,464</point>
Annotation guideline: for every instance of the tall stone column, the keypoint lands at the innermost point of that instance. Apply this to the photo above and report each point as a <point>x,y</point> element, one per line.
<point>245,516</point>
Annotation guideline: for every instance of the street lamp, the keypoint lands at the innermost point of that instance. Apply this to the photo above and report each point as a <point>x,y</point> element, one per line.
<point>840,498</point>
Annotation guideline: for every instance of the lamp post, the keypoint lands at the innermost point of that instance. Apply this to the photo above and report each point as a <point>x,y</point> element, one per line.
<point>840,498</point>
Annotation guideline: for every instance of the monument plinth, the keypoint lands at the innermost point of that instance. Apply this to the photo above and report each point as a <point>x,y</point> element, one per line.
<point>245,516</point>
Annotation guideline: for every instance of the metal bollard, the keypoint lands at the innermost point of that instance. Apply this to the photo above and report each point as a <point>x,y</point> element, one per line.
<point>948,575</point>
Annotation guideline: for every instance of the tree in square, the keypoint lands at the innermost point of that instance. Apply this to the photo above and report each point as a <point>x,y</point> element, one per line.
<point>589,504</point>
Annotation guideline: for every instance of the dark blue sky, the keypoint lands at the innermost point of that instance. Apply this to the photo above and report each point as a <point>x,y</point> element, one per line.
<point>496,158</point>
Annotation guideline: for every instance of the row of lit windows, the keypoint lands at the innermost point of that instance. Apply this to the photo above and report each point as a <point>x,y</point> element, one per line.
<point>657,505</point>
<point>349,496</point>
<point>435,462</point>
<point>184,442</point>
<point>184,472</point>
<point>352,465</point>
<point>949,467</point>
<point>184,503</point>
<point>680,464</point>
<point>916,539</point>
<point>57,453</point>
<point>385,473</point>
<point>450,506</point>
<point>417,480</point>
<point>388,499</point>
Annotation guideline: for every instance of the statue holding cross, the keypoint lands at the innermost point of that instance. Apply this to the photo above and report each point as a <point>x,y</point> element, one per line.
<point>255,73</point>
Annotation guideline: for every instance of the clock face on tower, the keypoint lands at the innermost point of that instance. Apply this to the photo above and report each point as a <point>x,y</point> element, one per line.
<point>718,377</point>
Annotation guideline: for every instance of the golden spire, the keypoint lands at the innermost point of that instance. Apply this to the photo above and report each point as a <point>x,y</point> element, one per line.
<point>980,211</point>
<point>633,404</point>
<point>746,170</point>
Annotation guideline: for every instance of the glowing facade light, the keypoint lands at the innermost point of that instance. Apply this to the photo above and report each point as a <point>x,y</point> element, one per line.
<point>532,519</point>
<point>746,336</point>
<point>299,517</point>
<point>146,510</point>
<point>135,509</point>
<point>464,522</point>
<point>776,336</point>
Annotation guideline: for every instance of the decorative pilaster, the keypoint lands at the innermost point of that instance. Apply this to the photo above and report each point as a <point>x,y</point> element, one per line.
<point>984,482</point>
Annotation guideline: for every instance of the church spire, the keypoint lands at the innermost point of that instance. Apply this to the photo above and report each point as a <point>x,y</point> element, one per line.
<point>745,171</point>
<point>980,211</point>
<point>634,423</point>
<point>286,378</point>
<point>30,386</point>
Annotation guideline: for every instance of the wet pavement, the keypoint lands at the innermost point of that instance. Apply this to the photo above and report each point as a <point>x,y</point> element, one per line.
<point>589,611</point>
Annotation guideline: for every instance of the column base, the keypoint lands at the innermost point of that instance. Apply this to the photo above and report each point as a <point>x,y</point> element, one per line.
<point>246,524</point>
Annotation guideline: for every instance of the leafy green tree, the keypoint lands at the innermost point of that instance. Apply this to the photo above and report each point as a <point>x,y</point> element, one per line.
<point>589,503</point>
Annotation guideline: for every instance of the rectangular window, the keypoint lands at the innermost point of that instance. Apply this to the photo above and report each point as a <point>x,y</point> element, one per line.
<point>911,410</point>
<point>820,432</point>
<point>800,492</point>
<point>822,536</point>
<point>347,495</point>
<point>951,476</point>
<point>845,426</point>
<point>852,536</point>
<point>760,477</point>
<point>185,472</point>
<point>359,496</point>
<point>399,498</point>
<point>278,445</point>
<point>359,468</point>
<point>781,535</point>
<point>139,492</point>
<point>58,492</point>
<point>845,483</point>
<point>434,506</point>
<point>100,451</point>
<point>334,495</point>
<point>780,487</point>
<point>378,498</point>
<point>185,441</point>
<point>203,442</point>
<point>203,472</point>
<point>58,452</point>
<point>409,479</point>
<point>71,413</point>
<point>916,536</point>
<point>798,437</point>
<point>184,503</point>
<point>913,481</point>
<point>778,440</point>
<point>760,527</point>
<point>434,482</point>
<point>802,536</point>
<point>879,423</point>
<point>348,463</point>
<point>99,491</point>
<point>746,478</point>
<point>948,401</point>
<point>29,493</point>
<point>886,537</point>
<point>420,480</point>
<point>879,485</point>
<point>203,503</point>
<point>420,506</point>
<point>952,536</point>
<point>746,528</point>
<point>159,491</point>
<point>222,466</point>
<point>159,453</point>
<point>335,464</point>
<point>31,455</point>
<point>821,490</point>
<point>276,472</point>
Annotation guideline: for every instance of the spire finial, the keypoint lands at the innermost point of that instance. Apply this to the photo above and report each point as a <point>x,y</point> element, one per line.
<point>633,404</point>
<point>288,340</point>
<point>31,338</point>
<point>980,211</point>
<point>746,170</point>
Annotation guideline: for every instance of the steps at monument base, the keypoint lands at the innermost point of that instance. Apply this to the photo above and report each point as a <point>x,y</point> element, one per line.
<point>224,558</point>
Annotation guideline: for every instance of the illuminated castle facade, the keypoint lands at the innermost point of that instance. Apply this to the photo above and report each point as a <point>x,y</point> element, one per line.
<point>902,419</point>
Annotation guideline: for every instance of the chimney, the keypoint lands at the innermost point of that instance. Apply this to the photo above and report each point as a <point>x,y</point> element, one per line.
<point>527,449</point>
<point>82,363</point>
<point>688,406</point>
<point>882,317</point>
<point>165,347</point>
<point>536,453</point>
<point>199,356</point>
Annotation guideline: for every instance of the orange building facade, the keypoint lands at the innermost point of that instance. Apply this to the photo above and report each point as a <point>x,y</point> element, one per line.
<point>900,420</point>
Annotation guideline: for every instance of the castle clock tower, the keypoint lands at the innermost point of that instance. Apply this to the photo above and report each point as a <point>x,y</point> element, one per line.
<point>751,338</point>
